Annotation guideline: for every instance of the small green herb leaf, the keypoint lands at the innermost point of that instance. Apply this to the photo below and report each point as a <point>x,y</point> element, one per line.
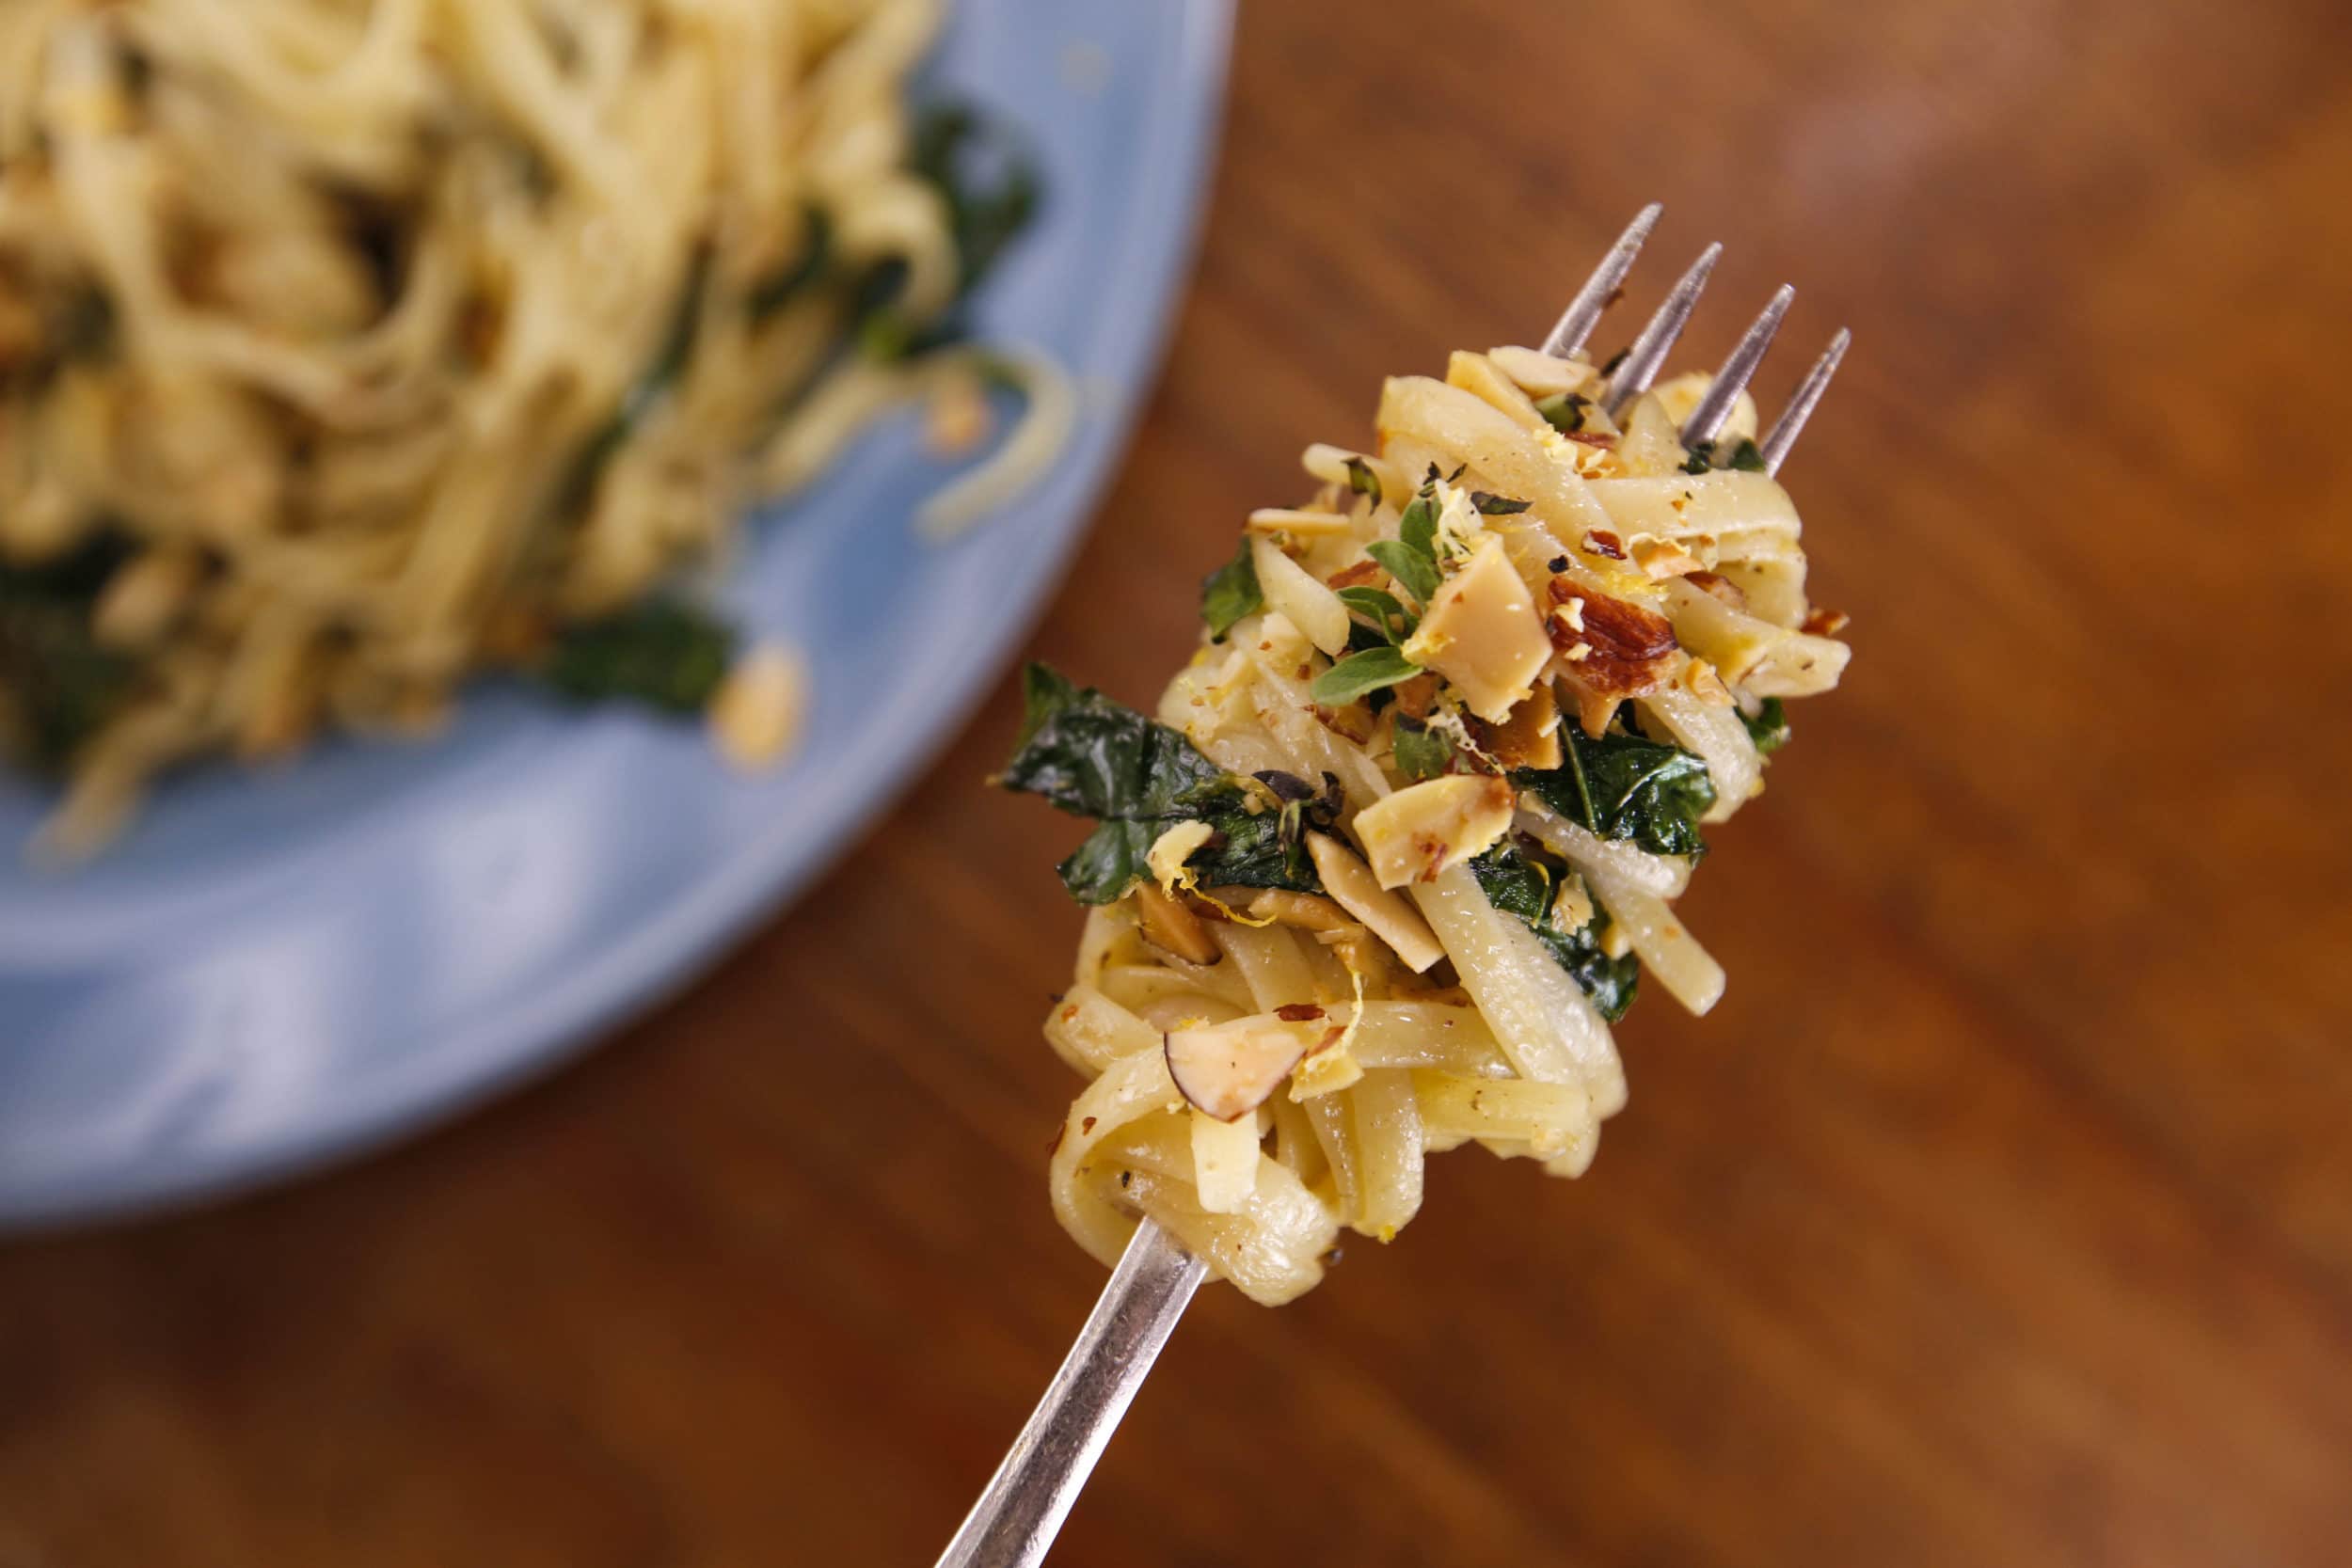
<point>1747,457</point>
<point>1419,752</point>
<point>1497,506</point>
<point>1362,479</point>
<point>1230,593</point>
<point>1418,528</point>
<point>1360,674</point>
<point>1413,569</point>
<point>1394,620</point>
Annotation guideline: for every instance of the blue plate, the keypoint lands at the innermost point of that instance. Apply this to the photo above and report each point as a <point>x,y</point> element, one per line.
<point>271,971</point>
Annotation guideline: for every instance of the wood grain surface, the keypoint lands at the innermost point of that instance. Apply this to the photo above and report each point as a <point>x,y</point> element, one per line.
<point>2002,1214</point>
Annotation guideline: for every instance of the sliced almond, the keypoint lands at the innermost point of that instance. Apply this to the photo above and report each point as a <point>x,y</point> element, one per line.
<point>1418,831</point>
<point>1530,737</point>
<point>1483,633</point>
<point>1388,916</point>
<point>1170,926</point>
<point>1230,1070</point>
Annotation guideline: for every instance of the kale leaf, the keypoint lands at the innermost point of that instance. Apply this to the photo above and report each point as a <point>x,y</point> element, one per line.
<point>1767,726</point>
<point>61,685</point>
<point>987,175</point>
<point>1564,411</point>
<point>1094,757</point>
<point>1518,884</point>
<point>1230,593</point>
<point>1625,787</point>
<point>664,653</point>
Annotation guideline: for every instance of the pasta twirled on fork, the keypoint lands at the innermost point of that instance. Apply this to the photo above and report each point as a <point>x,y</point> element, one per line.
<point>1405,835</point>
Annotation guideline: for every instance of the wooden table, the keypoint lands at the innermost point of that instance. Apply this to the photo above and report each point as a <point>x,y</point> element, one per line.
<point>2002,1214</point>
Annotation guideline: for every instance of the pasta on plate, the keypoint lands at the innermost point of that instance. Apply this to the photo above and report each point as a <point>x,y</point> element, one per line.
<point>349,347</point>
<point>1402,840</point>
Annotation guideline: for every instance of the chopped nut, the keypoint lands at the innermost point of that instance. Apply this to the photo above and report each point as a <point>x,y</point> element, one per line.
<point>1366,573</point>
<point>756,715</point>
<point>1415,697</point>
<point>1600,542</point>
<point>1702,682</point>
<point>1530,737</point>
<point>1355,721</point>
<point>1663,557</point>
<point>1173,928</point>
<point>1826,623</point>
<point>1720,587</point>
<point>958,418</point>
<point>1627,646</point>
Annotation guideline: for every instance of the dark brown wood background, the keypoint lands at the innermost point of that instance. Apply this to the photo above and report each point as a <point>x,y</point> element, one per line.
<point>2002,1214</point>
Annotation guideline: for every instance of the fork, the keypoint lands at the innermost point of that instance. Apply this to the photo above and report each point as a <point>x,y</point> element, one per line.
<point>1014,1521</point>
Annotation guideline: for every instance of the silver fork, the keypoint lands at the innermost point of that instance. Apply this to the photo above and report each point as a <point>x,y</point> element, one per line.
<point>1024,1502</point>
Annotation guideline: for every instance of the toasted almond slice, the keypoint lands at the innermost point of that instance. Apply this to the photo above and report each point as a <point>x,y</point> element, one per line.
<point>1230,1070</point>
<point>1482,634</point>
<point>1168,924</point>
<point>1388,916</point>
<point>1418,831</point>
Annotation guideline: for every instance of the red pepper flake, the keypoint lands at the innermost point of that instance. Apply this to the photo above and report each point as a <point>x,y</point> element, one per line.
<point>1086,1126</point>
<point>1298,1012</point>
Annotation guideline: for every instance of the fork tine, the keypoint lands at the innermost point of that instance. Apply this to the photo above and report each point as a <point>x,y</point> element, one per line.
<point>1577,321</point>
<point>1783,435</point>
<point>1738,367</point>
<point>1648,351</point>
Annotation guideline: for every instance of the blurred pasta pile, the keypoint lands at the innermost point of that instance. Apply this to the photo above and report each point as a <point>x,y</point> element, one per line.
<point>349,347</point>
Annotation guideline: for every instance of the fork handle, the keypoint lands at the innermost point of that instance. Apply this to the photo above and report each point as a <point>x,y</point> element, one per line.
<point>1030,1494</point>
